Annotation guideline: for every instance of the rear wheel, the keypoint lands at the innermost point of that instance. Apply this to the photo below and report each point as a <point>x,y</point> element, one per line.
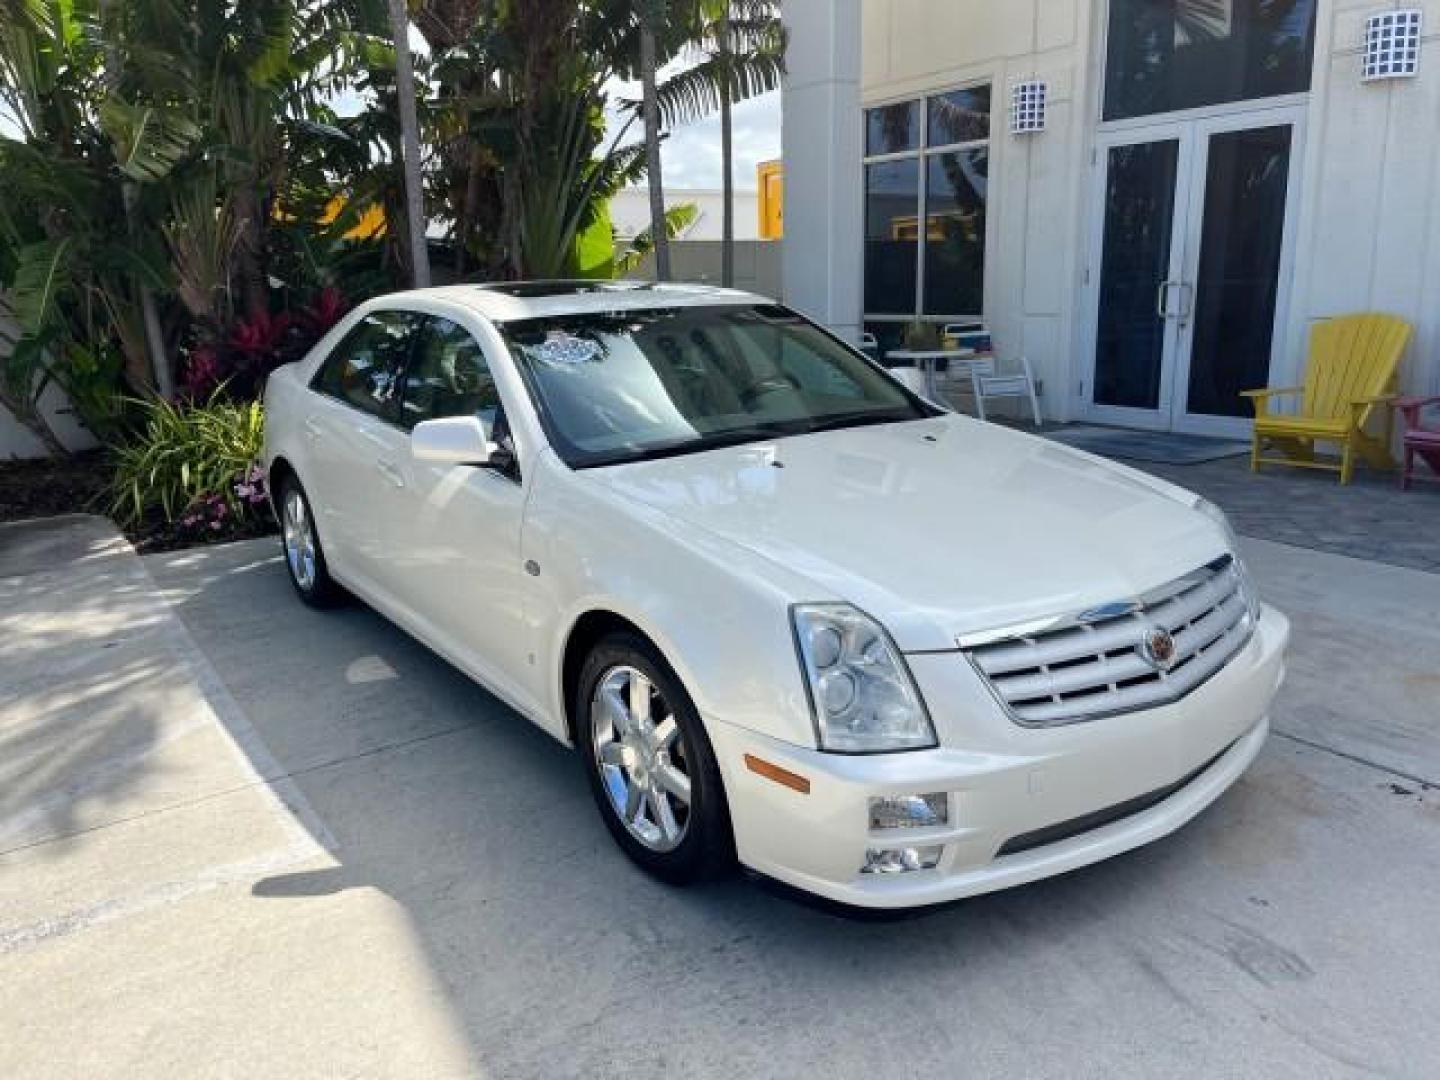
<point>650,764</point>
<point>304,557</point>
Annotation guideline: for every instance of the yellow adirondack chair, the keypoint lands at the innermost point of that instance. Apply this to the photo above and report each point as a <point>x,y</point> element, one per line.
<point>1354,360</point>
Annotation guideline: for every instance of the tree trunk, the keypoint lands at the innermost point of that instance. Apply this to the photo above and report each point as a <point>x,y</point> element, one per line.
<point>410,145</point>
<point>250,246</point>
<point>649,62</point>
<point>727,182</point>
<point>470,208</point>
<point>155,340</point>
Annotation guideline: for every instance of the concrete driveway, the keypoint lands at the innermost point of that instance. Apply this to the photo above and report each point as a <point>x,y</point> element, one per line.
<point>241,838</point>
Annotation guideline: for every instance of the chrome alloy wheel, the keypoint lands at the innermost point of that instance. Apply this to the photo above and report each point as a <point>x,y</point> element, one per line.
<point>299,539</point>
<point>641,758</point>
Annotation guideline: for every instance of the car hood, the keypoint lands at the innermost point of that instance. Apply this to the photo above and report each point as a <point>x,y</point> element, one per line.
<point>939,528</point>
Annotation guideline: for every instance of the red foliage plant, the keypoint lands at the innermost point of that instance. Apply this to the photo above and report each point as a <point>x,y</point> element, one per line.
<point>256,345</point>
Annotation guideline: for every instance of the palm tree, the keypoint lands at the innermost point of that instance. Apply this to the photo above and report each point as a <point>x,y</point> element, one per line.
<point>742,44</point>
<point>410,145</point>
<point>652,22</point>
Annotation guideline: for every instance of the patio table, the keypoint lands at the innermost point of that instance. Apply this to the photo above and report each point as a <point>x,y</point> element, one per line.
<point>928,358</point>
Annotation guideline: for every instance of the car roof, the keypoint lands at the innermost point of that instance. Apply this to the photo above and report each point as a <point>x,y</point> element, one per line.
<point>515,300</point>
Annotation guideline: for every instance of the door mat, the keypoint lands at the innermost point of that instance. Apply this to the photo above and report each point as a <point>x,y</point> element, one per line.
<point>1158,447</point>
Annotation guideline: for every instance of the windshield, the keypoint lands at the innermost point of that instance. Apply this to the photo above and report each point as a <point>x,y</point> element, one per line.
<point>625,386</point>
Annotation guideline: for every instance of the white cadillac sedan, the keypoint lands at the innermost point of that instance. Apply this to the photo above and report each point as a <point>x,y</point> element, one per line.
<point>785,611</point>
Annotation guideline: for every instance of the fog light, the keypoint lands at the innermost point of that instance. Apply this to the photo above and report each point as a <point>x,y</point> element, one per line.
<point>909,811</point>
<point>900,860</point>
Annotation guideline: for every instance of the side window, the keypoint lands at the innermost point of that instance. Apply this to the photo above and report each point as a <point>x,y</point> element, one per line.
<point>448,376</point>
<point>363,370</point>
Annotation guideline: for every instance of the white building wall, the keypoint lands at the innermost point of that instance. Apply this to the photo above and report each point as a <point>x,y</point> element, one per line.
<point>16,440</point>
<point>1368,232</point>
<point>630,212</point>
<point>823,209</point>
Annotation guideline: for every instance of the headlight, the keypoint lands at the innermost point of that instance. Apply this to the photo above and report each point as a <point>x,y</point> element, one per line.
<point>1247,583</point>
<point>861,693</point>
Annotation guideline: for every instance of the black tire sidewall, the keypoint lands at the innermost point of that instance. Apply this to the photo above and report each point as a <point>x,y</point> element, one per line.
<point>707,850</point>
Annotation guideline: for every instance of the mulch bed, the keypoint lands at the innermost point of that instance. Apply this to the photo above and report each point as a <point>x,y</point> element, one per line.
<point>76,485</point>
<point>44,488</point>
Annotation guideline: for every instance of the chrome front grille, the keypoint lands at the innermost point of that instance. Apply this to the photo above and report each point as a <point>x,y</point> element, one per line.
<point>1098,665</point>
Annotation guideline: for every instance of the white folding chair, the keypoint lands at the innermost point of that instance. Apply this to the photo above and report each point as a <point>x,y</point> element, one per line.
<point>985,378</point>
<point>988,382</point>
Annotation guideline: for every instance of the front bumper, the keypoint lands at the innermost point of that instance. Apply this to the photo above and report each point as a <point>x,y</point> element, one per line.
<point>1005,783</point>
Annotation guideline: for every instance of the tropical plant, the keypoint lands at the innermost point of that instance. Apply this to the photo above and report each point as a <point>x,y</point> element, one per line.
<point>677,220</point>
<point>741,48</point>
<point>240,359</point>
<point>151,141</point>
<point>523,169</point>
<point>186,455</point>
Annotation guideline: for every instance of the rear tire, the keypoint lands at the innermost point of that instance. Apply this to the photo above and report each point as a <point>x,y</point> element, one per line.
<point>650,764</point>
<point>300,544</point>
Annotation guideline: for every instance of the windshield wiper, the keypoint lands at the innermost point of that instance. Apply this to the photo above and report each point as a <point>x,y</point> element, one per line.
<point>719,440</point>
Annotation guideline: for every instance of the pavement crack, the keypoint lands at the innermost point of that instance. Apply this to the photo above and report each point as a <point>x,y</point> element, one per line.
<point>1388,770</point>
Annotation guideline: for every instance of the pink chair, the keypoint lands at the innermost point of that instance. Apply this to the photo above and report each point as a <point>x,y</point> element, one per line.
<point>1420,440</point>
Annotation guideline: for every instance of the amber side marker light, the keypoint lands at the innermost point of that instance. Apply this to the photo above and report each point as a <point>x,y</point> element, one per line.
<point>783,777</point>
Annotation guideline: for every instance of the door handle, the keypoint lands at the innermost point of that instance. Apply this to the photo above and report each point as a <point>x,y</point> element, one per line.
<point>1187,303</point>
<point>391,472</point>
<point>1162,299</point>
<point>312,428</point>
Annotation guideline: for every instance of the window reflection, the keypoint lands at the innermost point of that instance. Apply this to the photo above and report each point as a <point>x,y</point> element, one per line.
<point>1165,55</point>
<point>941,179</point>
<point>892,129</point>
<point>955,232</point>
<point>892,226</point>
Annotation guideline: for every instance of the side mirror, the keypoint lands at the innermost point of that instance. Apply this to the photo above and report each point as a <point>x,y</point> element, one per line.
<point>456,440</point>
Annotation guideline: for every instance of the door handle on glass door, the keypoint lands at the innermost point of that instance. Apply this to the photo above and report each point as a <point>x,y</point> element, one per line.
<point>1162,299</point>
<point>391,472</point>
<point>1187,302</point>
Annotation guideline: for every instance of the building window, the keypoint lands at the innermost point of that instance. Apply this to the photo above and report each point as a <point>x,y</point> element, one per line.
<point>926,160</point>
<point>1166,55</point>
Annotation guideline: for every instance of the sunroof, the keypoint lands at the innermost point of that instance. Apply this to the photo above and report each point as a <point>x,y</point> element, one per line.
<point>535,290</point>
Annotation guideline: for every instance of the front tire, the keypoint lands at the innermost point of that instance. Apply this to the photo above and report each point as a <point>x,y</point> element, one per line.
<point>300,543</point>
<point>650,764</point>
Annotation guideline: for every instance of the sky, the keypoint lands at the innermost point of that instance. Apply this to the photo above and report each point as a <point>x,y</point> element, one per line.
<point>691,156</point>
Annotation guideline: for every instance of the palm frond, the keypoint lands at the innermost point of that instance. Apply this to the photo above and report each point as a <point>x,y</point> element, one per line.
<point>677,219</point>
<point>41,276</point>
<point>149,141</point>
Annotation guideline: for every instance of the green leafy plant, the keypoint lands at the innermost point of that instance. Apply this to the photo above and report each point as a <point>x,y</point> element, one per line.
<point>677,220</point>
<point>922,336</point>
<point>185,457</point>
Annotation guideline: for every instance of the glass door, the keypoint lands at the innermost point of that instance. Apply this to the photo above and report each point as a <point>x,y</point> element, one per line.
<point>1139,232</point>
<point>1236,262</point>
<point>1192,231</point>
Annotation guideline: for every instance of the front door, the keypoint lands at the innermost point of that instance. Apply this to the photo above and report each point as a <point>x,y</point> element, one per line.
<point>1186,287</point>
<point>454,537</point>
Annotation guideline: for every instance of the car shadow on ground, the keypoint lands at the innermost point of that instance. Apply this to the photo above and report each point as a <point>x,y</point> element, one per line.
<point>560,958</point>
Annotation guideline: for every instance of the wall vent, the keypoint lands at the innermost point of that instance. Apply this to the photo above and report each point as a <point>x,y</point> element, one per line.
<point>1392,45</point>
<point>1028,104</point>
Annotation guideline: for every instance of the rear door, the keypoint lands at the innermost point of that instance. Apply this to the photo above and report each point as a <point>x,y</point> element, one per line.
<point>352,428</point>
<point>454,531</point>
